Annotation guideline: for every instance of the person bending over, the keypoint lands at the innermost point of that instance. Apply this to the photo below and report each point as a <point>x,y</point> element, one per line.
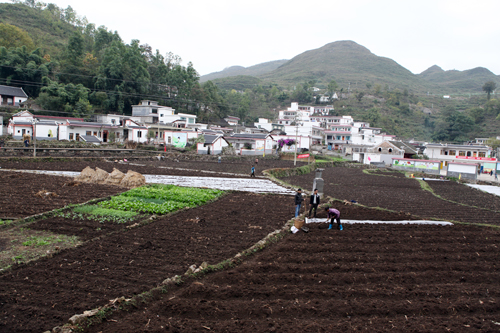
<point>333,214</point>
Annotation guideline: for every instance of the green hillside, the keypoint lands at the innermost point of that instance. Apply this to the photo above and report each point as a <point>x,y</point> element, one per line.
<point>345,62</point>
<point>47,30</point>
<point>459,81</point>
<point>240,82</point>
<point>255,70</point>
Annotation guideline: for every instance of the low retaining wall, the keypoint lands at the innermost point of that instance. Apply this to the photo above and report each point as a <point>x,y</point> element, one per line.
<point>461,175</point>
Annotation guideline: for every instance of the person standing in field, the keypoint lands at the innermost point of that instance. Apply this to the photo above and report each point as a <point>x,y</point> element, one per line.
<point>298,201</point>
<point>313,202</point>
<point>333,214</point>
<point>252,174</point>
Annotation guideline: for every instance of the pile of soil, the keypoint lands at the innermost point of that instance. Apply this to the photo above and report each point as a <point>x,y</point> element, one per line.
<point>372,278</point>
<point>18,193</point>
<point>153,166</point>
<point>401,195</point>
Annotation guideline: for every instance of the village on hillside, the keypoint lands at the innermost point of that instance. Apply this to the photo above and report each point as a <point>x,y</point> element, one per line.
<point>296,129</point>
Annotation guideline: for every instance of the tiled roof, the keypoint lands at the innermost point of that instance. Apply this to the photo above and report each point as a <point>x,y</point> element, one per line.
<point>12,91</point>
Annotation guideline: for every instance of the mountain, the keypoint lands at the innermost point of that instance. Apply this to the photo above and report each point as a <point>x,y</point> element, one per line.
<point>351,64</point>
<point>255,70</point>
<point>345,62</point>
<point>470,80</point>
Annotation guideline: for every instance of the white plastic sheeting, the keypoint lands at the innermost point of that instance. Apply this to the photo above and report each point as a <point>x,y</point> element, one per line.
<point>237,184</point>
<point>316,220</point>
<point>487,188</point>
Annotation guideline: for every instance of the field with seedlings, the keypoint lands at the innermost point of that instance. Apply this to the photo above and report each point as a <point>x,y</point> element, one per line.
<point>367,277</point>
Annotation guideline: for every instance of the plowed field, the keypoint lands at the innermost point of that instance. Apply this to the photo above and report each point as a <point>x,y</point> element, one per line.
<point>374,278</point>
<point>406,195</point>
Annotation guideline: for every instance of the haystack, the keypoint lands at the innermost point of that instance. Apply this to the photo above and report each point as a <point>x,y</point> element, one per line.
<point>99,176</point>
<point>115,177</point>
<point>133,179</point>
<point>86,175</point>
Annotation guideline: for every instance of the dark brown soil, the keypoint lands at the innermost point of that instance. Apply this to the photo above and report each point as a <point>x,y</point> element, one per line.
<point>465,194</point>
<point>373,278</point>
<point>18,193</point>
<point>152,166</point>
<point>83,228</point>
<point>48,292</point>
<point>398,194</point>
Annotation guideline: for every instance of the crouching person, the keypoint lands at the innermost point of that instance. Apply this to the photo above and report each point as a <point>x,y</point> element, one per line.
<point>333,214</point>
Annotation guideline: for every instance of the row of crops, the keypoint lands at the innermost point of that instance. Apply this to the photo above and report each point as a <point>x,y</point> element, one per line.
<point>160,199</point>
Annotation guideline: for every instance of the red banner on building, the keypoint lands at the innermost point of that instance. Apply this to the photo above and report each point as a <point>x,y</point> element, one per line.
<point>477,158</point>
<point>303,156</point>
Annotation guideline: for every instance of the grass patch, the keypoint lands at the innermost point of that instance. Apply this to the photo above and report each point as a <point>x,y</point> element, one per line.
<point>21,245</point>
<point>426,187</point>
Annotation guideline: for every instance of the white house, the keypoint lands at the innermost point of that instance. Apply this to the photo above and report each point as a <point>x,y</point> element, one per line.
<point>232,121</point>
<point>264,124</point>
<point>45,127</point>
<point>251,144</point>
<point>134,131</point>
<point>12,96</point>
<point>213,144</point>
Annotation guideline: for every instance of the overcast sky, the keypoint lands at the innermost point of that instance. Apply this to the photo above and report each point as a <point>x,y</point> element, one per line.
<point>453,34</point>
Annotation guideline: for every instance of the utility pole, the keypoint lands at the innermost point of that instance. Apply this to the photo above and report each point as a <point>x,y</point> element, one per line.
<point>34,136</point>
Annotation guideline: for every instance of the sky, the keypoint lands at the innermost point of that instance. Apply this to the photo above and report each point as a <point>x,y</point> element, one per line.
<point>213,35</point>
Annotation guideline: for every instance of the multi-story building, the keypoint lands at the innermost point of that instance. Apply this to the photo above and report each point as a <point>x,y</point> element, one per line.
<point>481,155</point>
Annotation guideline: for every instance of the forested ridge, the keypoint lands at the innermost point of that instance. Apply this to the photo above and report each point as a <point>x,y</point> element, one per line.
<point>70,67</point>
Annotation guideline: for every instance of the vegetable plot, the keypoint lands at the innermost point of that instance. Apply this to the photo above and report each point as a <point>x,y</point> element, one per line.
<point>160,199</point>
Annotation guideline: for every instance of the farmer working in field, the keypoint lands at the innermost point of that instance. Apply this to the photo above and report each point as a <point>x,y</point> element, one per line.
<point>314,202</point>
<point>252,174</point>
<point>332,214</point>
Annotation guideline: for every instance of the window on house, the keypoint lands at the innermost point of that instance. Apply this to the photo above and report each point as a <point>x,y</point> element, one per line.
<point>139,134</point>
<point>117,135</point>
<point>95,133</point>
<point>469,153</point>
<point>390,150</point>
<point>481,154</point>
<point>71,136</point>
<point>452,153</point>
<point>77,137</point>
<point>155,110</point>
<point>474,154</point>
<point>461,153</point>
<point>379,149</point>
<point>88,133</point>
<point>444,152</point>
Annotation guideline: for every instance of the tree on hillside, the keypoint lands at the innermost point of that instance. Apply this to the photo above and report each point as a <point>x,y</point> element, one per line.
<point>332,87</point>
<point>489,87</point>
<point>12,36</point>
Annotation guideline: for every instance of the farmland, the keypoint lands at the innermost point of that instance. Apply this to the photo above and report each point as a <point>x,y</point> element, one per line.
<point>367,277</point>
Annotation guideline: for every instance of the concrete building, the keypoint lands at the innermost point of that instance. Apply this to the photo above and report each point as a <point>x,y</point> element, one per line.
<point>478,154</point>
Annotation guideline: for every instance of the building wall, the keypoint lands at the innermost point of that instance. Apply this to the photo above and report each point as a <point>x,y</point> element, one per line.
<point>432,167</point>
<point>458,170</point>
